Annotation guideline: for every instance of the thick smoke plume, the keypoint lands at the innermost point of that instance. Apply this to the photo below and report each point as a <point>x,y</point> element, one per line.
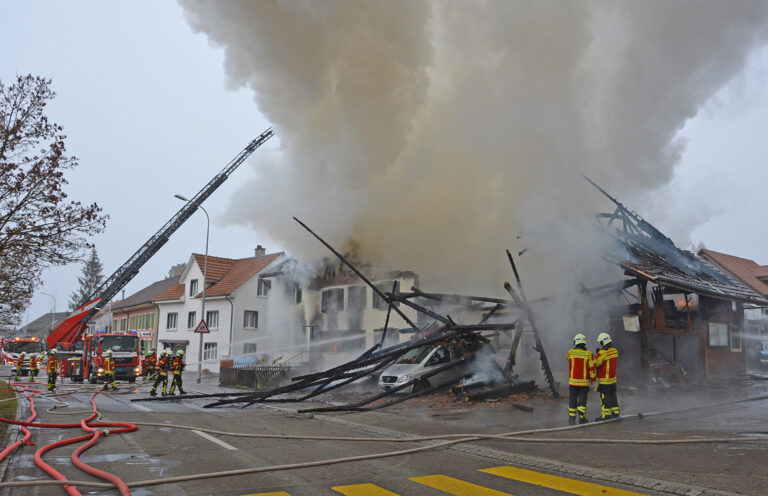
<point>434,132</point>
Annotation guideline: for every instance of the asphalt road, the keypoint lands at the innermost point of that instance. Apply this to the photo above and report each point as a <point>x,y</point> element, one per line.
<point>478,468</point>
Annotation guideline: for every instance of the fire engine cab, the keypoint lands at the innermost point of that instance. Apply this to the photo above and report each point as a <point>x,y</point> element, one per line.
<point>125,352</point>
<point>12,347</point>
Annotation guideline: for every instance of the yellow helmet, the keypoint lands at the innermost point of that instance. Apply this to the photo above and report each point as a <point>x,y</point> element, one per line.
<point>579,339</point>
<point>109,352</point>
<point>54,351</point>
<point>180,353</point>
<point>603,338</point>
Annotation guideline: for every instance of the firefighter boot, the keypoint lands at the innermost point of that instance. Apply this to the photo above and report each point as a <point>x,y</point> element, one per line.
<point>153,392</point>
<point>181,391</point>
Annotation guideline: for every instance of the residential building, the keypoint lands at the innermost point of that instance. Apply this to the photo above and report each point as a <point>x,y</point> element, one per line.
<point>139,313</point>
<point>236,308</point>
<point>343,316</point>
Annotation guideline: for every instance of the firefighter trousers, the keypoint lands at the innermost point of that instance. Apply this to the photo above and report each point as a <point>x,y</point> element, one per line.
<point>161,377</point>
<point>609,401</point>
<point>176,383</point>
<point>32,374</point>
<point>18,373</point>
<point>109,380</point>
<point>577,403</point>
<point>52,380</point>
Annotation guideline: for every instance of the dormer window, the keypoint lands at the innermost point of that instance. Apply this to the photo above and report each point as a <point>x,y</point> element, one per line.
<point>193,288</point>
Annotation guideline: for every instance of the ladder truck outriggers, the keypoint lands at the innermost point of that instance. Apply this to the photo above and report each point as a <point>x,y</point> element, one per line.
<point>82,354</point>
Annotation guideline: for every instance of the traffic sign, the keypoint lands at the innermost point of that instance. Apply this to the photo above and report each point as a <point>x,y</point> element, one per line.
<point>202,327</point>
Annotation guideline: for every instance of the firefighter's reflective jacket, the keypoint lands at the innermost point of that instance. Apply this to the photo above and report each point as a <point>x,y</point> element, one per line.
<point>581,367</point>
<point>162,365</point>
<point>20,361</point>
<point>606,362</point>
<point>150,360</point>
<point>178,366</point>
<point>109,365</point>
<point>33,362</point>
<point>53,365</point>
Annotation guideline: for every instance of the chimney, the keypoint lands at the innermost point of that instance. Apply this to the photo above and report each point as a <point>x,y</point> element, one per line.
<point>259,251</point>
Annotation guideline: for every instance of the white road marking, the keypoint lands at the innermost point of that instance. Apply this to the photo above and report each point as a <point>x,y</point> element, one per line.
<point>214,440</point>
<point>141,407</point>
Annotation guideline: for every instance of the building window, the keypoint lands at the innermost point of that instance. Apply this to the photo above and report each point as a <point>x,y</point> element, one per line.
<point>191,320</point>
<point>132,322</point>
<point>718,334</point>
<point>380,303</point>
<point>249,348</point>
<point>212,319</point>
<point>736,341</point>
<point>149,321</point>
<point>251,319</point>
<point>114,324</point>
<point>333,300</point>
<point>193,287</point>
<point>263,287</point>
<point>293,292</point>
<point>209,351</point>
<point>123,322</point>
<point>356,297</point>
<point>171,320</point>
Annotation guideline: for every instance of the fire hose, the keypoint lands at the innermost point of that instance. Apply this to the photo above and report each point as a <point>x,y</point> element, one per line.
<point>456,439</point>
<point>92,438</point>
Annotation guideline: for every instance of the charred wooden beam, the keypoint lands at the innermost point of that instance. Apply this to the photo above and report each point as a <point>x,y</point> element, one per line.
<point>421,309</point>
<point>359,274</point>
<point>422,392</point>
<point>501,326</point>
<point>506,390</point>
<point>523,304</point>
<point>357,405</point>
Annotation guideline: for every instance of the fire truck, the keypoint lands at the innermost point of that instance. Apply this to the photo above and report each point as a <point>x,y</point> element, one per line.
<point>11,347</point>
<point>81,354</point>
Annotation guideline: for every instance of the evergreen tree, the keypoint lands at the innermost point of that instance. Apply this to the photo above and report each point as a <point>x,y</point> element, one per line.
<point>89,281</point>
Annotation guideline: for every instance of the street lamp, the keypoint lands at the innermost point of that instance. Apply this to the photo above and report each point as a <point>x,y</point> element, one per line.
<point>205,277</point>
<point>52,313</point>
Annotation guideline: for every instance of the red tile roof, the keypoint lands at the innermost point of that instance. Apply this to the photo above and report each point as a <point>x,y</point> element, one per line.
<point>217,266</point>
<point>173,293</point>
<point>743,268</point>
<point>240,272</point>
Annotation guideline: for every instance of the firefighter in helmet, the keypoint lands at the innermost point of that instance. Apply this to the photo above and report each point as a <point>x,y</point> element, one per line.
<point>606,361</point>
<point>53,369</point>
<point>32,367</point>
<point>150,360</point>
<point>20,364</point>
<point>163,364</point>
<point>581,374</point>
<point>177,368</point>
<point>109,371</point>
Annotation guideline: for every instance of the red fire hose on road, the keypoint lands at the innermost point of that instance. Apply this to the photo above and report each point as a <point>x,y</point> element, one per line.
<point>92,437</point>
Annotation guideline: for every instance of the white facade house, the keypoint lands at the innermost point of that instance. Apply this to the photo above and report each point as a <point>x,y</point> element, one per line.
<point>346,317</point>
<point>236,308</point>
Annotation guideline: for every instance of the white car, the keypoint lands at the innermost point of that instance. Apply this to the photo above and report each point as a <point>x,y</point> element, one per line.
<point>417,362</point>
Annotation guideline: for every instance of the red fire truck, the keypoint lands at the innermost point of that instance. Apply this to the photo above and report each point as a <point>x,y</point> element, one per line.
<point>125,352</point>
<point>11,347</point>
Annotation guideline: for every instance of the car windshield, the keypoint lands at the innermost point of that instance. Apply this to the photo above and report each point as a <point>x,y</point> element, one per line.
<point>765,345</point>
<point>128,342</point>
<point>416,355</point>
<point>26,346</point>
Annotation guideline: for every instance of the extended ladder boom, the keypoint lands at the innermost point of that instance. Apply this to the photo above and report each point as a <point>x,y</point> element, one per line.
<point>71,329</point>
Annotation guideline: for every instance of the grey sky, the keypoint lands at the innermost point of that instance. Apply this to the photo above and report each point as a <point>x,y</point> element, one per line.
<point>144,103</point>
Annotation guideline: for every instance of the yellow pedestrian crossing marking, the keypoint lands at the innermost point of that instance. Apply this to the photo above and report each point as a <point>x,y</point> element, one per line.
<point>566,485</point>
<point>456,487</point>
<point>363,490</point>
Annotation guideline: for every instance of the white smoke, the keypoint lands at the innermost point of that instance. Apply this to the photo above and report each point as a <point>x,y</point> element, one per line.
<point>434,132</point>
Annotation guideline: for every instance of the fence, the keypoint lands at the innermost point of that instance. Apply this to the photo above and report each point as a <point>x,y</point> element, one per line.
<point>259,377</point>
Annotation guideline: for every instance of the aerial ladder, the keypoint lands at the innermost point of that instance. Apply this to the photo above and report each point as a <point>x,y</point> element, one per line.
<point>72,329</point>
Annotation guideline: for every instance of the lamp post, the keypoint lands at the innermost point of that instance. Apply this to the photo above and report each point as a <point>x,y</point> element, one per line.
<point>53,317</point>
<point>205,276</point>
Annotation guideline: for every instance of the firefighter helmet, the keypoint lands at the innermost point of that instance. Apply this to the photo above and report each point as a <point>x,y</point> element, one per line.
<point>180,353</point>
<point>54,351</point>
<point>603,338</point>
<point>167,352</point>
<point>579,339</point>
<point>23,353</point>
<point>109,352</point>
